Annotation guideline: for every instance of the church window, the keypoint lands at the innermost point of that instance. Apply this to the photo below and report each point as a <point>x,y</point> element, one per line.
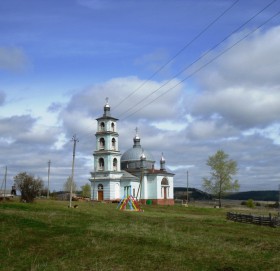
<point>114,144</point>
<point>164,181</point>
<point>100,186</point>
<point>102,126</point>
<point>115,164</point>
<point>113,127</point>
<point>102,143</point>
<point>101,163</point>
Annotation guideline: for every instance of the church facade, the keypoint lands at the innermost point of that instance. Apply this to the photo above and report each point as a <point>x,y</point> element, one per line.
<point>116,176</point>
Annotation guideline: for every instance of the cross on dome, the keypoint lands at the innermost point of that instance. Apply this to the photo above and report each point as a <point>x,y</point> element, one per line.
<point>107,102</point>
<point>136,136</point>
<point>162,157</point>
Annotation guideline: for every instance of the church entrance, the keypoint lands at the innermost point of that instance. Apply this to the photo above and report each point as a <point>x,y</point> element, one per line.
<point>100,195</point>
<point>100,192</point>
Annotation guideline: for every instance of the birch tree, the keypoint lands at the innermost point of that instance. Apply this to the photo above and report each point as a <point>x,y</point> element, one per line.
<point>221,175</point>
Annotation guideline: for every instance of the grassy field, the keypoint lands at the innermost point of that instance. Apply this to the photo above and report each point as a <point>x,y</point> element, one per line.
<point>46,235</point>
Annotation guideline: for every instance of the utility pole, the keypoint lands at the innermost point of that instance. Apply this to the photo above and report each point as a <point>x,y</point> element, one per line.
<point>75,140</point>
<point>49,167</point>
<point>279,202</point>
<point>5,180</point>
<point>94,183</point>
<point>187,186</point>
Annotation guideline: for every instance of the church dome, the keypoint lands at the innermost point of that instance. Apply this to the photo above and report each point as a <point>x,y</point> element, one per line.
<point>132,157</point>
<point>134,154</point>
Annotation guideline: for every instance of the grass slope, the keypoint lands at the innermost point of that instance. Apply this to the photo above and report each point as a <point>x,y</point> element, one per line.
<point>47,235</point>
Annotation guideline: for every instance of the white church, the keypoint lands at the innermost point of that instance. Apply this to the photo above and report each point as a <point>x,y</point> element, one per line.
<point>116,176</point>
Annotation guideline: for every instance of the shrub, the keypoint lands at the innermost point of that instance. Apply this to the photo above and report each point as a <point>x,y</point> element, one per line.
<point>250,203</point>
<point>274,205</point>
<point>29,186</point>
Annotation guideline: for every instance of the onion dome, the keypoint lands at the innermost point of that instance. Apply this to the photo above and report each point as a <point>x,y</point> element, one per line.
<point>131,158</point>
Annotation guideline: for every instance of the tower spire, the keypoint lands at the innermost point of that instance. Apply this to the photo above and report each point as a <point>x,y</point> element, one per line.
<point>136,139</point>
<point>162,162</point>
<point>107,108</point>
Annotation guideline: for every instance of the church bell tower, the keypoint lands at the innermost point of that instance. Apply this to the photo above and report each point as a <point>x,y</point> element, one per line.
<point>107,155</point>
<point>106,177</point>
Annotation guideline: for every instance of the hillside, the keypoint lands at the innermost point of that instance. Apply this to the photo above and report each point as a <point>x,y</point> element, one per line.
<point>196,194</point>
<point>269,195</point>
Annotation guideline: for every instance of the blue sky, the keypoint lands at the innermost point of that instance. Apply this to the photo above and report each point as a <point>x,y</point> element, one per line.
<point>59,60</point>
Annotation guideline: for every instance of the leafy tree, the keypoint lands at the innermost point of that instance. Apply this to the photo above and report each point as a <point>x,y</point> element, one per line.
<point>222,170</point>
<point>86,190</point>
<point>67,185</point>
<point>29,186</point>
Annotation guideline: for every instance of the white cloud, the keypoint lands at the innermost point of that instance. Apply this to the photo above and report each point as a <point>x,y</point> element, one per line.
<point>243,107</point>
<point>14,125</point>
<point>170,125</point>
<point>210,130</point>
<point>117,89</point>
<point>253,62</point>
<point>243,86</point>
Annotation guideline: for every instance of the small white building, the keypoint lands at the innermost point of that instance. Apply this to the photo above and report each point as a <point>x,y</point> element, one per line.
<point>116,176</point>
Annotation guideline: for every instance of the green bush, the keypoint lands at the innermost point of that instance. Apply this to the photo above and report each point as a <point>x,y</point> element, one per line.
<point>29,186</point>
<point>250,203</point>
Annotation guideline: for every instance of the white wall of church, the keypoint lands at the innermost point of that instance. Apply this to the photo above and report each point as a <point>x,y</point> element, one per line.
<point>152,187</point>
<point>171,190</point>
<point>159,188</point>
<point>129,187</point>
<point>112,190</point>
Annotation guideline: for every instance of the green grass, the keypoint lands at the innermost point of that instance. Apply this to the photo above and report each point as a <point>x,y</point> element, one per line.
<point>46,235</point>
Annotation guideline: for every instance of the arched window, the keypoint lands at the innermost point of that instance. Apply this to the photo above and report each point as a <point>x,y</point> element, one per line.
<point>164,181</point>
<point>114,144</point>
<point>115,164</point>
<point>102,126</point>
<point>101,143</point>
<point>113,127</point>
<point>101,163</point>
<point>100,187</point>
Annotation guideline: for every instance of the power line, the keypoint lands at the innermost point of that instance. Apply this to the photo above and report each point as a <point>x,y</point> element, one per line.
<point>201,57</point>
<point>179,52</point>
<point>203,66</point>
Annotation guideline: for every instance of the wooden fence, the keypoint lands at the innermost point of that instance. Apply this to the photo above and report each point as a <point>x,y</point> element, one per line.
<point>252,219</point>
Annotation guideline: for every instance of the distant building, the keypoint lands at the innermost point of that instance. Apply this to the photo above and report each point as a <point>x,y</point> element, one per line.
<point>116,176</point>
